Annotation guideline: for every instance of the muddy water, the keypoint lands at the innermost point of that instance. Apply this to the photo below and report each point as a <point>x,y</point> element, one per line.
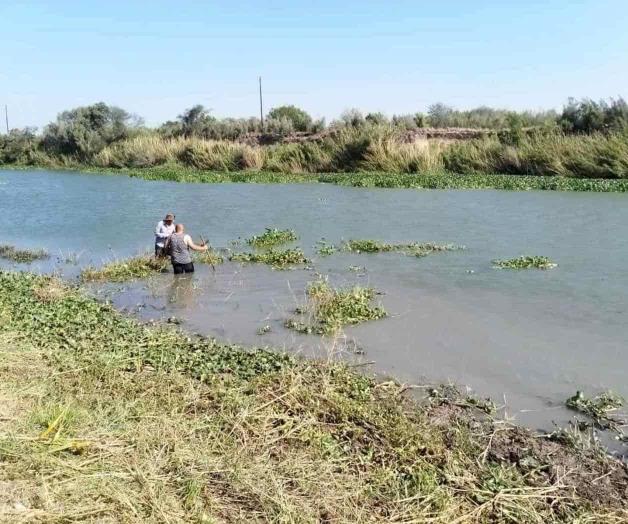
<point>529,339</point>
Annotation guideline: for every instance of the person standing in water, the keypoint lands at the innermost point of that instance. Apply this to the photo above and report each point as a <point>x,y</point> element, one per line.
<point>178,246</point>
<point>164,229</point>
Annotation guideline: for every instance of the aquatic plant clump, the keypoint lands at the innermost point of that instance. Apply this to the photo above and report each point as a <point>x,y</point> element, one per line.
<point>525,262</point>
<point>25,256</point>
<point>210,257</point>
<point>276,258</point>
<point>272,237</point>
<point>416,249</point>
<point>128,269</point>
<point>325,249</point>
<point>598,408</point>
<point>328,309</point>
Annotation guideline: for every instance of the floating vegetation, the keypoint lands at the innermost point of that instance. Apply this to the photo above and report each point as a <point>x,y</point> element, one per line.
<point>211,257</point>
<point>25,256</point>
<point>272,237</point>
<point>325,249</point>
<point>128,269</point>
<point>600,409</point>
<point>416,249</point>
<point>525,262</point>
<point>276,258</point>
<point>448,394</point>
<point>264,329</point>
<point>328,309</point>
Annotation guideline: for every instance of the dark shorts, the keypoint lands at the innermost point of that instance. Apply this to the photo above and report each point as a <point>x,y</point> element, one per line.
<point>183,268</point>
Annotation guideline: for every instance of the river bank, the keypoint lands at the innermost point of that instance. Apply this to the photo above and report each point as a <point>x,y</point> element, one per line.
<point>109,418</point>
<point>428,180</point>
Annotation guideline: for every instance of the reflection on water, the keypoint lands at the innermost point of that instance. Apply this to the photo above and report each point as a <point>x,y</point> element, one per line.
<point>182,292</point>
<point>531,338</point>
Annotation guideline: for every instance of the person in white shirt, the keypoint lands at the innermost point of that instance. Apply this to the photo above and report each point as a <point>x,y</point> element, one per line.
<point>164,229</point>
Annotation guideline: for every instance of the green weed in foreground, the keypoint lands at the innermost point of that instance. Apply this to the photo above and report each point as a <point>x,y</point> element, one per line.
<point>128,269</point>
<point>22,255</point>
<point>272,237</point>
<point>328,309</point>
<point>117,421</point>
<point>277,258</point>
<point>525,262</point>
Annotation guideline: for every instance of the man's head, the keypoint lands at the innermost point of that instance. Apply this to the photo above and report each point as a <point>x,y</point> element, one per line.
<point>179,228</point>
<point>169,219</point>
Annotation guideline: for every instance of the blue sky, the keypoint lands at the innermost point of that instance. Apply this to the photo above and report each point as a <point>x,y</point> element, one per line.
<point>156,58</point>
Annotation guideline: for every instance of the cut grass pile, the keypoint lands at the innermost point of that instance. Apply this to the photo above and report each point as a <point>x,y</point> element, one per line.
<point>328,309</point>
<point>525,262</point>
<point>127,269</point>
<point>105,419</point>
<point>279,259</point>
<point>25,256</point>
<point>272,237</point>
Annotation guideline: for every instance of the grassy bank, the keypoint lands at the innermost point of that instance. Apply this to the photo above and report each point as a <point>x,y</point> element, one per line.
<point>107,419</point>
<point>372,156</point>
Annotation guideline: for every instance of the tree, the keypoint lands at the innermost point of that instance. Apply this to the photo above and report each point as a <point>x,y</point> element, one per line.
<point>352,117</point>
<point>440,115</point>
<point>19,146</point>
<point>194,120</point>
<point>85,131</point>
<point>588,116</point>
<point>301,121</point>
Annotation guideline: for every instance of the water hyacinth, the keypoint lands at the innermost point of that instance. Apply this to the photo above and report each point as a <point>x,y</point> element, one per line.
<point>525,262</point>
<point>25,256</point>
<point>328,309</point>
<point>276,258</point>
<point>416,249</point>
<point>272,237</point>
<point>122,270</point>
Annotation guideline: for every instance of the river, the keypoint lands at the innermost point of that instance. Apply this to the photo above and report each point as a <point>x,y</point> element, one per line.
<point>528,338</point>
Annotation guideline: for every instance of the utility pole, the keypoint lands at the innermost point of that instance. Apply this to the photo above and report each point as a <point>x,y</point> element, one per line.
<point>261,106</point>
<point>6,117</point>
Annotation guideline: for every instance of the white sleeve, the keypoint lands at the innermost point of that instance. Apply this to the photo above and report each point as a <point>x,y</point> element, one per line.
<point>188,240</point>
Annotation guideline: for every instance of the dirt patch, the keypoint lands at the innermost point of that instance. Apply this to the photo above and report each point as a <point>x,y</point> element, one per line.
<point>605,481</point>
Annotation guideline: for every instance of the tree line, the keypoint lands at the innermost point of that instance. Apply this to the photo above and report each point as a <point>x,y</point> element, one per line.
<point>83,132</point>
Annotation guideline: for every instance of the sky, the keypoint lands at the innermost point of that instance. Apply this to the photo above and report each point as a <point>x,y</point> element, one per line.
<point>156,58</point>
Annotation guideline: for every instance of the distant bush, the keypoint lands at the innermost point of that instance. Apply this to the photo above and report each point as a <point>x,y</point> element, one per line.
<point>85,131</point>
<point>441,115</point>
<point>588,116</point>
<point>301,121</point>
<point>19,146</point>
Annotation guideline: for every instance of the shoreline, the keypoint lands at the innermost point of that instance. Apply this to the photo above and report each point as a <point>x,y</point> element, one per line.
<point>385,453</point>
<point>369,179</point>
